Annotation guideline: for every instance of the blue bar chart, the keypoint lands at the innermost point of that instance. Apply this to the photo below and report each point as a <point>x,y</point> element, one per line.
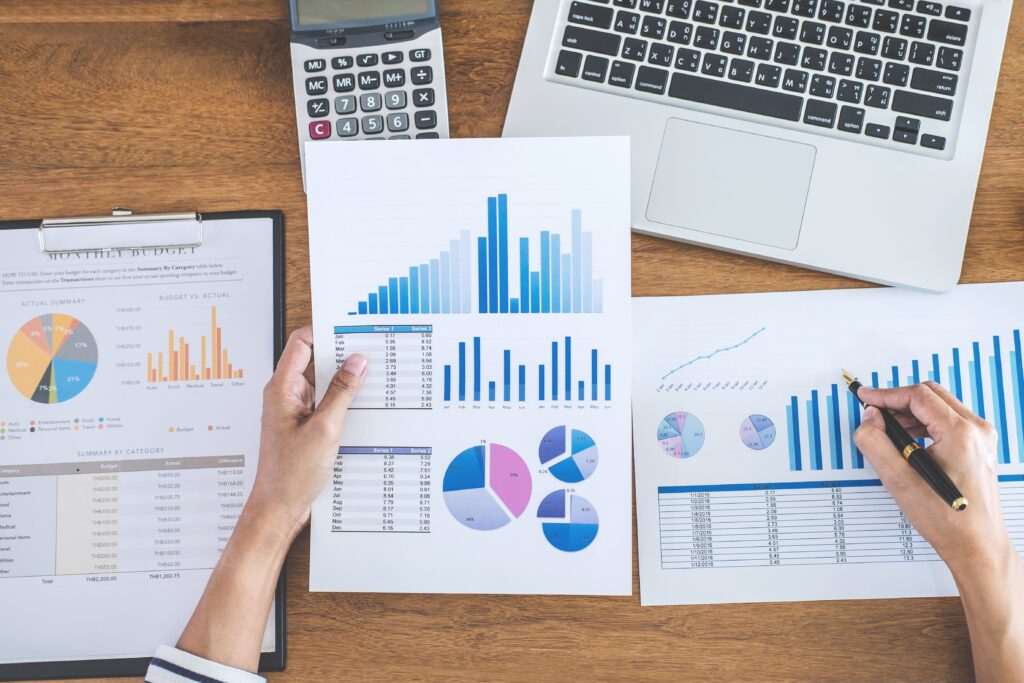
<point>551,273</point>
<point>557,380</point>
<point>992,386</point>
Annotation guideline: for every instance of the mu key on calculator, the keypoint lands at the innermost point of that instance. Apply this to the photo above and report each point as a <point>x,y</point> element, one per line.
<point>367,70</point>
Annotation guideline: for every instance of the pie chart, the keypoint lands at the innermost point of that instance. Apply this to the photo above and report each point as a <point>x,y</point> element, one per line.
<point>757,432</point>
<point>570,454</point>
<point>486,486</point>
<point>569,520</point>
<point>52,358</point>
<point>681,434</point>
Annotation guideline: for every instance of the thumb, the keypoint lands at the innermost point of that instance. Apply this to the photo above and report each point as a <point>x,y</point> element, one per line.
<point>876,446</point>
<point>343,389</point>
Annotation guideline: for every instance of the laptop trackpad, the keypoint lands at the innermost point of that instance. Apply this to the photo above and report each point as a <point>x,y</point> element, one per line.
<point>731,183</point>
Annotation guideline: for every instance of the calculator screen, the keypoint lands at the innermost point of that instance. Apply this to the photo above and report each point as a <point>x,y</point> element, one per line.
<point>315,12</point>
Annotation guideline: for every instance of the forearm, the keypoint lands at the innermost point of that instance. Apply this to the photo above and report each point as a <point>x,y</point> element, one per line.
<point>992,592</point>
<point>228,624</point>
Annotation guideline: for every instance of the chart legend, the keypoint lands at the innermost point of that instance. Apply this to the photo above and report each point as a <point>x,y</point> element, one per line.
<point>181,362</point>
<point>52,358</point>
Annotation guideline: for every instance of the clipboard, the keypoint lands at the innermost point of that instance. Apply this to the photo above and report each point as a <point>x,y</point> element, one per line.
<point>124,231</point>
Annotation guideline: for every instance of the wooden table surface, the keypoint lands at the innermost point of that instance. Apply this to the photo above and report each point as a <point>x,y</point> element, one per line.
<point>176,104</point>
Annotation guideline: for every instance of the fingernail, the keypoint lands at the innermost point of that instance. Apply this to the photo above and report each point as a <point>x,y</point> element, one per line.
<point>355,365</point>
<point>868,412</point>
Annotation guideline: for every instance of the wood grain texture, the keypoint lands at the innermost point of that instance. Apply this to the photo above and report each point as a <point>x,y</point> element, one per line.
<point>172,104</point>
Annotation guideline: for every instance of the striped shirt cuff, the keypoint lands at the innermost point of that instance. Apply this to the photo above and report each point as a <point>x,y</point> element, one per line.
<point>171,665</point>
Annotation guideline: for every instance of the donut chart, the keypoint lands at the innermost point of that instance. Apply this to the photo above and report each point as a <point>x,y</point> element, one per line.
<point>681,434</point>
<point>569,454</point>
<point>757,432</point>
<point>486,486</point>
<point>569,521</point>
<point>52,358</point>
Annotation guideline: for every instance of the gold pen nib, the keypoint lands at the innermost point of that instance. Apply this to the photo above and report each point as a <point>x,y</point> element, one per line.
<point>848,377</point>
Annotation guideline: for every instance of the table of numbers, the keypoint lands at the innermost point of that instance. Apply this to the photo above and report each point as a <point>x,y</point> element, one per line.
<point>382,490</point>
<point>401,362</point>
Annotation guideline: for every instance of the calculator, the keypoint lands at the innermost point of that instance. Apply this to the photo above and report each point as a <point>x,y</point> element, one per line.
<point>367,70</point>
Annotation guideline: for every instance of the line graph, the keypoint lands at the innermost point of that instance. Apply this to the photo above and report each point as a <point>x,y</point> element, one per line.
<point>711,355</point>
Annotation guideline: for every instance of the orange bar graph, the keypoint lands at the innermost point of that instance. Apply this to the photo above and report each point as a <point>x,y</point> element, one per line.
<point>214,358</point>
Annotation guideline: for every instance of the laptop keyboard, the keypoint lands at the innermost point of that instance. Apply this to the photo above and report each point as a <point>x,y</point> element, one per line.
<point>883,72</point>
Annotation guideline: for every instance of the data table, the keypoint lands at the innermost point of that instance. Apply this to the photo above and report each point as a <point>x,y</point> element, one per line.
<point>109,517</point>
<point>402,359</point>
<point>799,523</point>
<point>382,490</point>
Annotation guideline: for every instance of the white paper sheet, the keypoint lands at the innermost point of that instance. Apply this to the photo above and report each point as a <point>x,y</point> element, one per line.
<point>118,488</point>
<point>738,500</point>
<point>455,479</point>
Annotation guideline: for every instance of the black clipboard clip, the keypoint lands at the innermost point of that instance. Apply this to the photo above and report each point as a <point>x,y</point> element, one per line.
<point>120,231</point>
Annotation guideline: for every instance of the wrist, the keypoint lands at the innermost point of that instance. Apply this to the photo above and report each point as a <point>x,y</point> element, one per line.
<point>273,518</point>
<point>991,563</point>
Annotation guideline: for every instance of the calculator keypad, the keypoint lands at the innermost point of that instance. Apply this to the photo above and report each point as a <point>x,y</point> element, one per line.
<point>371,101</point>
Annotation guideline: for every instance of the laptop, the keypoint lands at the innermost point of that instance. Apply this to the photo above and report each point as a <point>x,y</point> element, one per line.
<point>844,136</point>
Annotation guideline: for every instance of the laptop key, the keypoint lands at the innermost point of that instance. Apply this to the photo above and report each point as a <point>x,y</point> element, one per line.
<point>595,69</point>
<point>661,54</point>
<point>591,41</point>
<point>759,22</point>
<point>591,15</point>
<point>680,9</point>
<point>741,70</point>
<point>649,79</point>
<point>876,130</point>
<point>896,74</point>
<point>831,10</point>
<point>850,91</point>
<point>621,74</point>
<point>568,63</point>
<point>823,86</point>
<point>635,49</point>
<point>851,119</point>
<point>687,60</point>
<point>750,99</point>
<point>958,13</point>
<point>877,96</point>
<point>840,37</point>
<point>680,32</point>
<point>787,53</point>
<point>928,106</point>
<point>894,48</point>
<point>933,141</point>
<point>933,81</point>
<point>925,7</point>
<point>947,32</point>
<point>714,65</point>
<point>760,48</point>
<point>795,80</point>
<point>949,58</point>
<point>734,43</point>
<point>922,53</point>
<point>768,75</point>
<point>627,22</point>
<point>820,113</point>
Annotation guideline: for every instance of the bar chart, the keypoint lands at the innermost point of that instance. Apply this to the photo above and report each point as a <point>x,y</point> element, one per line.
<point>991,384</point>
<point>557,380</point>
<point>181,362</point>
<point>478,274</point>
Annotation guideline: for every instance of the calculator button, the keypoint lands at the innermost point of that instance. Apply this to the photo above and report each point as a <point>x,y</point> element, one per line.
<point>317,108</point>
<point>427,136</point>
<point>393,57</point>
<point>399,137</point>
<point>315,65</point>
<point>317,85</point>
<point>345,104</point>
<point>394,78</point>
<point>398,122</point>
<point>341,63</point>
<point>423,97</point>
<point>344,82</point>
<point>373,124</point>
<point>369,80</point>
<point>419,55</point>
<point>366,60</point>
<point>399,35</point>
<point>318,130</point>
<point>370,102</point>
<point>426,119</point>
<point>422,75</point>
<point>348,127</point>
<point>395,99</point>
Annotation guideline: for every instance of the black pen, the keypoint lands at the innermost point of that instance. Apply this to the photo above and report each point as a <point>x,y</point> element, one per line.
<point>919,458</point>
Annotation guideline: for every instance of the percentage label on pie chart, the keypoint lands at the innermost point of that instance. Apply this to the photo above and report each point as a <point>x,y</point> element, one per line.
<point>681,434</point>
<point>52,358</point>
<point>569,454</point>
<point>487,486</point>
<point>569,521</point>
<point>757,432</point>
